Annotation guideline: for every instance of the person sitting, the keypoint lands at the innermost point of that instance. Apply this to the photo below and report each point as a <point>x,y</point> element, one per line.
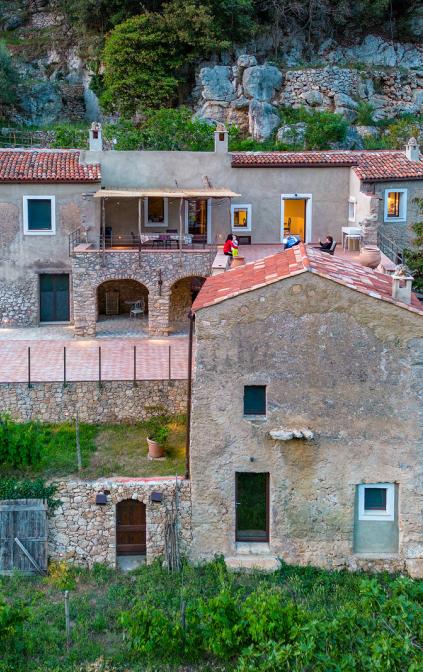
<point>291,241</point>
<point>229,246</point>
<point>327,245</point>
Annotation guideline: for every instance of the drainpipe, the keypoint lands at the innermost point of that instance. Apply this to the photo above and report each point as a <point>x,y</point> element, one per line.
<point>189,394</point>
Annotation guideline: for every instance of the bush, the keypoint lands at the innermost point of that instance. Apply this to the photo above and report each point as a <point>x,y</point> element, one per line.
<point>11,621</point>
<point>21,444</point>
<point>414,256</point>
<point>324,129</point>
<point>365,114</point>
<point>8,77</point>
<point>12,488</point>
<point>157,429</point>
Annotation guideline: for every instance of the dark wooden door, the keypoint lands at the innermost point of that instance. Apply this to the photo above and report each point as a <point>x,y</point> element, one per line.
<point>54,297</point>
<point>130,528</point>
<point>252,506</point>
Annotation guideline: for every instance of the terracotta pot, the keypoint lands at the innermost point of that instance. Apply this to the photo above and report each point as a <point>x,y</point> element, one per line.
<point>237,261</point>
<point>370,256</point>
<point>155,450</point>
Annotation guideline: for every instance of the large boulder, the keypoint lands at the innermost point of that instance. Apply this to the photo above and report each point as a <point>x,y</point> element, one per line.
<point>292,134</point>
<point>246,61</point>
<point>217,83</point>
<point>313,98</point>
<point>41,102</point>
<point>261,82</point>
<point>263,119</point>
<point>213,110</point>
<point>367,131</point>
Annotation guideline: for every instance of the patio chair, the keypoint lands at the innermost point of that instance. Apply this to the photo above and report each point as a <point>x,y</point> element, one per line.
<point>137,309</point>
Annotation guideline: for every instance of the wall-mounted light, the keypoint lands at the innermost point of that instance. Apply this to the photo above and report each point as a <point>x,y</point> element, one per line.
<point>156,498</point>
<point>101,498</point>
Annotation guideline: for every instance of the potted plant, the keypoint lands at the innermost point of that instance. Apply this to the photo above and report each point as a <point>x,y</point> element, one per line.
<point>157,436</point>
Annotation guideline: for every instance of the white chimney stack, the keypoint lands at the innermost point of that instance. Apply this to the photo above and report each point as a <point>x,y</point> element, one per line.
<point>402,282</point>
<point>221,142</point>
<point>96,137</point>
<point>412,150</point>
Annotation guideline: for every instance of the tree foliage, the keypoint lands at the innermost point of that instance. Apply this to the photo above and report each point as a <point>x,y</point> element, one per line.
<point>8,77</point>
<point>149,55</point>
<point>414,256</point>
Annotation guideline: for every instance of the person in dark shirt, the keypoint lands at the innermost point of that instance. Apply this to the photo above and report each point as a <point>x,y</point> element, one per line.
<point>325,247</point>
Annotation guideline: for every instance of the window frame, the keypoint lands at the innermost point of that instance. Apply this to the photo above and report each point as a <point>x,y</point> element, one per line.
<point>39,232</point>
<point>352,201</point>
<point>374,514</point>
<point>403,206</point>
<point>256,415</point>
<point>241,206</point>
<point>153,225</point>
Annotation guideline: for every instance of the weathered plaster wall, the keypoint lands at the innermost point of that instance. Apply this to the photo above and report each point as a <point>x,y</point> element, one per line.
<point>83,532</point>
<point>90,269</point>
<point>345,365</point>
<point>24,257</point>
<point>114,401</point>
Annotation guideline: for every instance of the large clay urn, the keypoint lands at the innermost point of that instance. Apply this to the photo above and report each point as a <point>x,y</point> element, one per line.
<point>155,450</point>
<point>370,256</point>
<point>237,261</point>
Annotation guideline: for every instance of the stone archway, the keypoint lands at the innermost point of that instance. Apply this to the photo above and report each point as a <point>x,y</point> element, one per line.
<point>122,304</point>
<point>182,295</point>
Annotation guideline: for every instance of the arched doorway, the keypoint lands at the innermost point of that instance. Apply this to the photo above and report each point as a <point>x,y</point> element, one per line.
<point>130,528</point>
<point>122,305</point>
<point>182,295</point>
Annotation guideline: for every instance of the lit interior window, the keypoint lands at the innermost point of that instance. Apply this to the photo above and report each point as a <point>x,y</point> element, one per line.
<point>241,218</point>
<point>394,204</point>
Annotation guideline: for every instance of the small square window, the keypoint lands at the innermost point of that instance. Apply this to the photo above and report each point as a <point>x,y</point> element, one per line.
<point>396,205</point>
<point>241,217</point>
<point>255,400</point>
<point>376,501</point>
<point>39,215</point>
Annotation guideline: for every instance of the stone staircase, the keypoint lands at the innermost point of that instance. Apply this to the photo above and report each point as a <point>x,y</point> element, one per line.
<point>251,556</point>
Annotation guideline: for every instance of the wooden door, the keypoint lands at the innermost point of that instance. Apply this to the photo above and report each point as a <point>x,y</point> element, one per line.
<point>130,528</point>
<point>24,520</point>
<point>252,506</point>
<point>54,297</point>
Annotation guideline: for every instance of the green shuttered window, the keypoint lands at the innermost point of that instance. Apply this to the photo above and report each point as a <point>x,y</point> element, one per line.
<point>255,400</point>
<point>39,215</point>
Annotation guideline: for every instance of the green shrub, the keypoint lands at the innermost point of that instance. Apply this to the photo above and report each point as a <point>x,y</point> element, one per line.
<point>12,618</point>
<point>323,129</point>
<point>8,77</point>
<point>21,444</point>
<point>68,136</point>
<point>153,633</point>
<point>365,113</point>
<point>414,257</point>
<point>157,429</point>
<point>13,488</point>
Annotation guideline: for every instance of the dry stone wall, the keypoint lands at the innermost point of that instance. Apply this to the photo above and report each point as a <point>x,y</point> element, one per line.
<point>114,401</point>
<point>83,532</point>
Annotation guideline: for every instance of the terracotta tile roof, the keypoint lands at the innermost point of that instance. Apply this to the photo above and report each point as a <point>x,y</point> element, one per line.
<point>370,166</point>
<point>297,260</point>
<point>293,159</point>
<point>38,165</point>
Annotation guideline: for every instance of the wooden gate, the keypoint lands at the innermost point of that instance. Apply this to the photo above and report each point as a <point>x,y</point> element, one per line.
<point>23,535</point>
<point>130,528</point>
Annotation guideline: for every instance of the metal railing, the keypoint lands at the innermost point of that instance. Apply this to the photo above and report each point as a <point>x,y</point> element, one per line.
<point>97,364</point>
<point>75,238</point>
<point>390,248</point>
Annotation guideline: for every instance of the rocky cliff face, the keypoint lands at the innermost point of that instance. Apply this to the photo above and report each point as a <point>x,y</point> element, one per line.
<point>389,77</point>
<point>241,87</point>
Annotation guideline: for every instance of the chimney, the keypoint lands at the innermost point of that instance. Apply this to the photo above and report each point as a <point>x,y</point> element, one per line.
<point>221,142</point>
<point>412,150</point>
<point>401,284</point>
<point>96,137</point>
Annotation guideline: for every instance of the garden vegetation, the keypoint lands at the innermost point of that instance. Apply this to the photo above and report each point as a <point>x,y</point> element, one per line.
<point>206,618</point>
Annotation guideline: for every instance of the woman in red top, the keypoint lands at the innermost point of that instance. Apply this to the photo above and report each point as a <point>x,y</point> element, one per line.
<point>229,245</point>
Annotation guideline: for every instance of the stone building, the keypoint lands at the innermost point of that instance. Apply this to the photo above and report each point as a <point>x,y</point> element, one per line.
<point>307,416</point>
<point>86,234</point>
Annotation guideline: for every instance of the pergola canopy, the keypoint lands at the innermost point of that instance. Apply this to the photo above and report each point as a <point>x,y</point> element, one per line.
<point>167,193</point>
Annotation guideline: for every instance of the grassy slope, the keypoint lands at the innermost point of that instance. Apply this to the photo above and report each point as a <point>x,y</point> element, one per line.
<point>107,450</point>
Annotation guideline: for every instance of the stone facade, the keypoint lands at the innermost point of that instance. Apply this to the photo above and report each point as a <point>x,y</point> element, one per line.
<point>83,532</point>
<point>114,401</point>
<point>19,302</point>
<point>345,366</point>
<point>92,268</point>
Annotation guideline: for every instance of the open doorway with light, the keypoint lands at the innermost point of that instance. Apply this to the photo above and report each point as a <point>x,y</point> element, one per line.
<point>296,216</point>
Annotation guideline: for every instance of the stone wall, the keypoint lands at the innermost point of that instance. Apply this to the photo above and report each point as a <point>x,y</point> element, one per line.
<point>19,302</point>
<point>92,268</point>
<point>114,401</point>
<point>83,532</point>
<point>333,360</point>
